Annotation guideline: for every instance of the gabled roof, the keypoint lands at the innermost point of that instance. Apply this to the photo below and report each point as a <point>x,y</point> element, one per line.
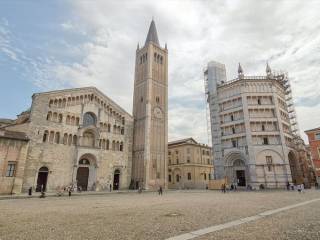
<point>185,140</point>
<point>152,34</point>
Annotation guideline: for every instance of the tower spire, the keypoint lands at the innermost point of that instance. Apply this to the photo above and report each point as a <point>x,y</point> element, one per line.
<point>268,69</point>
<point>240,71</point>
<point>152,34</point>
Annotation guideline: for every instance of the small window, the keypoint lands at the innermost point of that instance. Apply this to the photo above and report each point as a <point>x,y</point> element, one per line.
<point>231,117</point>
<point>259,101</point>
<point>169,153</point>
<point>234,143</point>
<point>11,169</point>
<point>141,99</point>
<point>265,141</point>
<point>233,130</point>
<point>317,136</point>
<point>262,128</point>
<point>205,176</point>
<point>169,178</point>
<point>189,176</point>
<point>157,99</point>
<point>169,161</point>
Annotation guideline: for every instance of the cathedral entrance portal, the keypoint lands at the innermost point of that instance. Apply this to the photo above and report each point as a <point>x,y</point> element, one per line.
<point>86,172</point>
<point>241,176</point>
<point>82,178</point>
<point>116,179</point>
<point>42,179</point>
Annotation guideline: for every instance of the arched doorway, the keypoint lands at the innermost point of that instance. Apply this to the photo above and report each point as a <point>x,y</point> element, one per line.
<point>240,172</point>
<point>42,179</point>
<point>235,168</point>
<point>83,174</point>
<point>116,179</point>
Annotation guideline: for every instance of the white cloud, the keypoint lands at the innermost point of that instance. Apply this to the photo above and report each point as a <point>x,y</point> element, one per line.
<point>251,32</point>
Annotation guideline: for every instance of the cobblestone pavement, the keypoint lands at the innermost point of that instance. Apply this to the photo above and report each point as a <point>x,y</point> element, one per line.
<point>149,216</point>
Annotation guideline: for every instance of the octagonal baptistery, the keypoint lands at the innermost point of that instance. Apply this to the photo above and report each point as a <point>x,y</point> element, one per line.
<point>78,137</point>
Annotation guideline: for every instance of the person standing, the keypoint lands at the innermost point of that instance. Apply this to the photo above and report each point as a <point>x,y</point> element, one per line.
<point>110,187</point>
<point>160,190</point>
<point>69,191</point>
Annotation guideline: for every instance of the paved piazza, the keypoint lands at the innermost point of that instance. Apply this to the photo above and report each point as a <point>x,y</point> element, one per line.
<point>149,216</point>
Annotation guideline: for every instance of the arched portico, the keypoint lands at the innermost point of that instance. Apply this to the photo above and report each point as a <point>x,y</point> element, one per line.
<point>235,168</point>
<point>86,172</point>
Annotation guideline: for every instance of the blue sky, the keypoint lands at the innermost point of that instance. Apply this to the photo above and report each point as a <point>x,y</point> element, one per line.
<point>47,45</point>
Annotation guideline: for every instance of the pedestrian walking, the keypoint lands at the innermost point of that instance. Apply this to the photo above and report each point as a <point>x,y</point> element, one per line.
<point>288,186</point>
<point>69,191</point>
<point>160,190</point>
<point>30,191</point>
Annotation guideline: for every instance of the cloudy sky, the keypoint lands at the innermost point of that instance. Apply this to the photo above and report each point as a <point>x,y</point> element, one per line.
<point>47,45</point>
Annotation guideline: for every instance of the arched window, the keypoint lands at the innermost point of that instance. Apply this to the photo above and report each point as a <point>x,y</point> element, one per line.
<point>65,139</point>
<point>73,120</point>
<point>45,136</point>
<point>177,178</point>
<point>103,144</point>
<point>54,116</point>
<point>57,137</point>
<point>107,147</point>
<point>51,136</point>
<point>74,140</point>
<point>60,118</point>
<point>70,139</point>
<point>109,127</point>
<point>77,121</point>
<point>113,145</point>
<point>49,115</point>
<point>121,146</point>
<point>89,119</point>
<point>50,103</point>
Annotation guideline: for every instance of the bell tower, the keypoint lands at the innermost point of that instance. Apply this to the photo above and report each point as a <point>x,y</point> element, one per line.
<point>150,113</point>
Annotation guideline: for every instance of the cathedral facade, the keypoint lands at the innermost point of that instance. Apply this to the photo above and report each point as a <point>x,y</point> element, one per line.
<point>76,136</point>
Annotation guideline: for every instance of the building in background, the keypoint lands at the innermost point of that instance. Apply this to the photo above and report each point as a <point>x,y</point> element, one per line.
<point>314,143</point>
<point>253,125</point>
<point>13,155</point>
<point>150,113</point>
<point>189,164</point>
